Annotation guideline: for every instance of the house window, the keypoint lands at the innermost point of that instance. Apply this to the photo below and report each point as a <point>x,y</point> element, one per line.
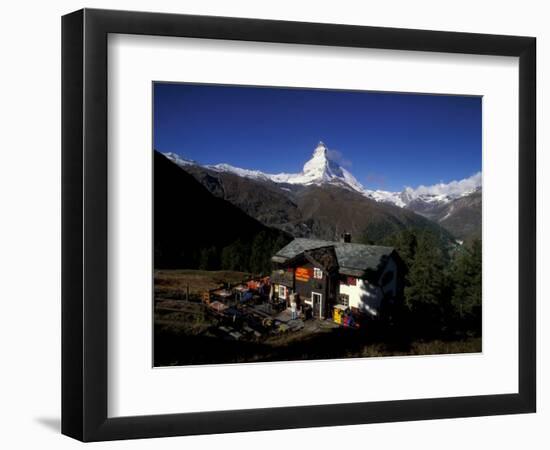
<point>317,273</point>
<point>343,299</point>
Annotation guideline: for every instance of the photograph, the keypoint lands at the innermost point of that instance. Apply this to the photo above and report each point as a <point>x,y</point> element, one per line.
<point>304,224</point>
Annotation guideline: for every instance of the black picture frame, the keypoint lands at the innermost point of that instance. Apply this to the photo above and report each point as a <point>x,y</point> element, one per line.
<point>84,224</point>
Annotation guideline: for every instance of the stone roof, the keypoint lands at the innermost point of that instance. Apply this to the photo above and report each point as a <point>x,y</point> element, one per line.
<point>353,259</point>
<point>325,257</point>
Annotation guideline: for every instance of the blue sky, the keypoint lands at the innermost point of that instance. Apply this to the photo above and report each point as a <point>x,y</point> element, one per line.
<point>386,140</point>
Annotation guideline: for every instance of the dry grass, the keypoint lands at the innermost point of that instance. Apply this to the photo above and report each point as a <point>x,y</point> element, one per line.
<point>173,283</point>
<point>191,320</point>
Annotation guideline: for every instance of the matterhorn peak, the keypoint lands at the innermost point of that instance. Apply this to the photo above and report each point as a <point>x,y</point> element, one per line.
<point>321,168</point>
<point>321,149</point>
<point>318,167</point>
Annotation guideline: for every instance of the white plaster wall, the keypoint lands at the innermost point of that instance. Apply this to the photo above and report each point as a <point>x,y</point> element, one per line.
<point>363,296</point>
<point>367,297</point>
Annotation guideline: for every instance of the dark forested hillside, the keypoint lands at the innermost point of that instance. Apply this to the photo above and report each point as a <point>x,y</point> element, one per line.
<point>195,229</point>
<point>442,289</point>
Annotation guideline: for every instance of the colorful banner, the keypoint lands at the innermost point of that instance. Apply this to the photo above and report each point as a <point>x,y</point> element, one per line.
<point>302,274</point>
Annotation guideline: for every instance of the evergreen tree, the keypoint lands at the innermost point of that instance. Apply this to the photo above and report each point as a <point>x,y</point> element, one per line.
<point>255,255</point>
<point>260,254</point>
<point>466,277</point>
<point>426,284</point>
<point>405,243</point>
<point>280,242</point>
<point>227,258</point>
<point>208,259</point>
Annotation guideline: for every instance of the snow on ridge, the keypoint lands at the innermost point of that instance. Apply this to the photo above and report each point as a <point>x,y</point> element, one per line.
<point>322,169</point>
<point>175,158</point>
<point>247,173</point>
<point>319,169</point>
<point>444,192</point>
<point>386,197</point>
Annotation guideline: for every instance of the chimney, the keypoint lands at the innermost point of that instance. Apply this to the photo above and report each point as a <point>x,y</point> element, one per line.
<point>346,237</point>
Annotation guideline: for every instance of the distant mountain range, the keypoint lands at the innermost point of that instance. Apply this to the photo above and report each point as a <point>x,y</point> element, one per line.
<point>321,168</point>
<point>460,216</point>
<point>325,199</point>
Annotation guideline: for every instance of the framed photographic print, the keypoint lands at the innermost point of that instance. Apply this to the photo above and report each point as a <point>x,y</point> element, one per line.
<point>266,223</point>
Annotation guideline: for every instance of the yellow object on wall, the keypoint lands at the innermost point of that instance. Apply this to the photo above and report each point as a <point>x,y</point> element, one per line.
<point>338,315</point>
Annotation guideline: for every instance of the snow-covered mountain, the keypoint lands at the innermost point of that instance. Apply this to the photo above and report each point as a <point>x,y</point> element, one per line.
<point>443,192</point>
<point>322,168</point>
